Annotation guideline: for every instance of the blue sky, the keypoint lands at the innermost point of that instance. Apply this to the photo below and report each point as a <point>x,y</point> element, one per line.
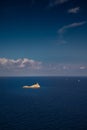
<point>43,37</point>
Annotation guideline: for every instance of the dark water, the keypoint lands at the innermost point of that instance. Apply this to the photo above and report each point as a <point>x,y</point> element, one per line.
<point>60,104</point>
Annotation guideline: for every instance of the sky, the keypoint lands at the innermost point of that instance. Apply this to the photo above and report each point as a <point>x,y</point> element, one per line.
<point>43,38</point>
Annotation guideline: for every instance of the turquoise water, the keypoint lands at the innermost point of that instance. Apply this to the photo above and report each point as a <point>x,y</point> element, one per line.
<point>60,103</point>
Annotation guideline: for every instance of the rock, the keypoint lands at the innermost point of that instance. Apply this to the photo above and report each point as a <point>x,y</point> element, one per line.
<point>32,86</point>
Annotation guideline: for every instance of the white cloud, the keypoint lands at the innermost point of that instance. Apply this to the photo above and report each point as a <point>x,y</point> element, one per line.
<point>24,63</point>
<point>56,2</point>
<point>82,67</point>
<point>74,10</point>
<point>73,25</point>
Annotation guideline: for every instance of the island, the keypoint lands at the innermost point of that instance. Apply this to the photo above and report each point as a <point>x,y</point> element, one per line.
<point>32,86</point>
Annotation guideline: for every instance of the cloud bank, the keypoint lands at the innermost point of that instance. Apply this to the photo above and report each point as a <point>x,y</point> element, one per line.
<point>24,63</point>
<point>30,67</point>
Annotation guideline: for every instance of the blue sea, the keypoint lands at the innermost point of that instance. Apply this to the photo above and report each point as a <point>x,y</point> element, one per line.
<point>60,103</point>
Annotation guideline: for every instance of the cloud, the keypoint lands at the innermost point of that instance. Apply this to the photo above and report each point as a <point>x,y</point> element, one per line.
<point>30,67</point>
<point>65,69</point>
<point>74,10</point>
<point>56,2</point>
<point>24,63</point>
<point>82,67</point>
<point>73,25</point>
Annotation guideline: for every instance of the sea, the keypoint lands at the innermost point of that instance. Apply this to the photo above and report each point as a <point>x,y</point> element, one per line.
<point>60,103</point>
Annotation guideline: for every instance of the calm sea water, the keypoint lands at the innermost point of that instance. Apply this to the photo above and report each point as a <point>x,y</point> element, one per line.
<point>60,103</point>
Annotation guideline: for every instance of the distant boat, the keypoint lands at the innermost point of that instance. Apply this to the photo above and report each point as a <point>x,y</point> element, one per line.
<point>32,86</point>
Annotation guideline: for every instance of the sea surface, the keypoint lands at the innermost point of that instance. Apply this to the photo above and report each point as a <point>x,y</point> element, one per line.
<point>60,103</point>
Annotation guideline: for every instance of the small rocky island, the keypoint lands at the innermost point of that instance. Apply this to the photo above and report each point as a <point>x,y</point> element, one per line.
<point>32,86</point>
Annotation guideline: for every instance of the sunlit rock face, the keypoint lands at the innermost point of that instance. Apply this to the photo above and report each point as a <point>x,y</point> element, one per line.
<point>32,86</point>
